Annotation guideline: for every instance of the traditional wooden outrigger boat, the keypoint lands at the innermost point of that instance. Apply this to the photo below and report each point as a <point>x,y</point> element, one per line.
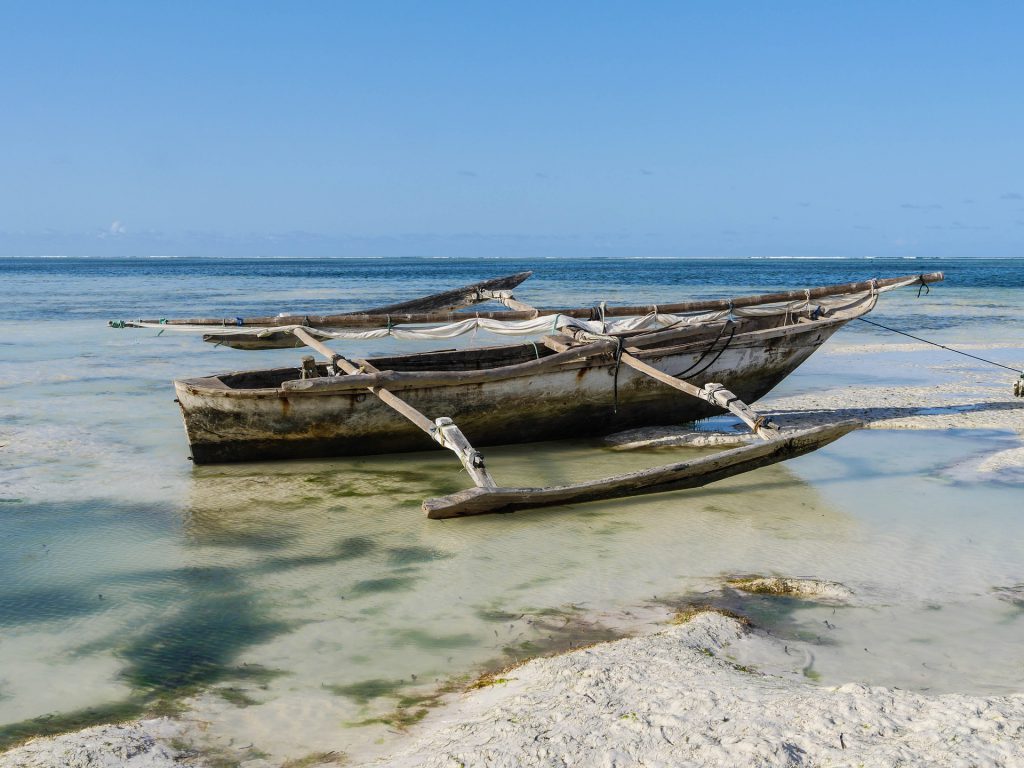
<point>589,371</point>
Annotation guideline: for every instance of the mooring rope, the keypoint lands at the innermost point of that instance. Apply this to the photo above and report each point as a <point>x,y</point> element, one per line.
<point>941,346</point>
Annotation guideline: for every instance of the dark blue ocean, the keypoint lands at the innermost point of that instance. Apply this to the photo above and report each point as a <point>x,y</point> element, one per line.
<point>85,288</point>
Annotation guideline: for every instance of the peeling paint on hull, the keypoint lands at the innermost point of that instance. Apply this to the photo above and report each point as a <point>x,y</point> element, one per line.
<point>231,425</point>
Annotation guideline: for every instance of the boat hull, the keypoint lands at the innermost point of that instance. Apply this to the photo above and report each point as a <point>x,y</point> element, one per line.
<point>587,398</point>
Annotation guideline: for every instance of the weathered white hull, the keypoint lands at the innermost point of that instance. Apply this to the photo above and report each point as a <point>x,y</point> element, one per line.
<point>577,399</point>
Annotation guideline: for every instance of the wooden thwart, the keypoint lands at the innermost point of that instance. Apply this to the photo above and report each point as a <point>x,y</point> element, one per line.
<point>671,477</point>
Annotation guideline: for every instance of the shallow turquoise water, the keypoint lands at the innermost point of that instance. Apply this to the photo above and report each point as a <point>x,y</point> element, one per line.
<point>319,590</point>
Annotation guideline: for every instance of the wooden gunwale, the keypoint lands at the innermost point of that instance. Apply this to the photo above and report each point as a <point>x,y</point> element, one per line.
<point>418,379</point>
<point>376,320</point>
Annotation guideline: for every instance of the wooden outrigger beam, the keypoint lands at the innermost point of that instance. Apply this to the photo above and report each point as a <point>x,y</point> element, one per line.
<point>487,497</point>
<point>443,430</point>
<point>378,319</point>
<point>672,477</point>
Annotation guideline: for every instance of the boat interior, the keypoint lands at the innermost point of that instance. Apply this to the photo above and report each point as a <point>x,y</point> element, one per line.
<point>674,340</point>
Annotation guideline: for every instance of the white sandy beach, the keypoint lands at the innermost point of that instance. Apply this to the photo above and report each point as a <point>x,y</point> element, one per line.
<point>695,694</point>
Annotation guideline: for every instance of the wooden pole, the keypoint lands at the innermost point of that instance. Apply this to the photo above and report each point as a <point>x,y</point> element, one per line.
<point>715,394</point>
<point>442,431</point>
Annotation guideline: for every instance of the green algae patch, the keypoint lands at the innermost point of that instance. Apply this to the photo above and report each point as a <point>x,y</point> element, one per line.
<point>236,696</point>
<point>553,631</point>
<point>410,708</point>
<point>777,614</point>
<point>316,759</point>
<point>401,719</point>
<point>497,615</point>
<point>387,584</point>
<point>175,658</point>
<point>366,691</point>
<point>688,614</point>
<point>408,555</point>
<point>780,586</point>
<point>1013,595</point>
<point>14,734</point>
<point>487,681</point>
<point>427,640</point>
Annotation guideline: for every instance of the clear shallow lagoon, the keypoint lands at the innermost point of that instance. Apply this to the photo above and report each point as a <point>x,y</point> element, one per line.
<point>310,593</point>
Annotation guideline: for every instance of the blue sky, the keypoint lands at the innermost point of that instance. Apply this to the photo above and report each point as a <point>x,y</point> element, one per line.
<point>519,129</point>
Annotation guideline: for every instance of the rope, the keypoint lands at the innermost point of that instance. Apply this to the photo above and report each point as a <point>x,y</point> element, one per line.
<point>615,379</point>
<point>941,346</point>
<point>713,360</point>
<point>706,352</point>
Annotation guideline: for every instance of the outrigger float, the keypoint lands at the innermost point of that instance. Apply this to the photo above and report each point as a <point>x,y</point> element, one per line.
<point>589,371</point>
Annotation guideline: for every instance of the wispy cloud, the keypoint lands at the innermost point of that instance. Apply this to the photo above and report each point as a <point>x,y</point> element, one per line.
<point>116,229</point>
<point>1011,196</point>
<point>469,174</point>
<point>921,206</point>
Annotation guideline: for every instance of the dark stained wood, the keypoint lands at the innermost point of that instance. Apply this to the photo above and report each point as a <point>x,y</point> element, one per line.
<point>671,477</point>
<point>377,320</point>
